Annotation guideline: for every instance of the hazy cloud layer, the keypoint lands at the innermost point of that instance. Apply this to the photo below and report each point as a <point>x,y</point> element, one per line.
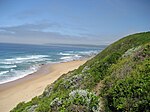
<point>40,34</point>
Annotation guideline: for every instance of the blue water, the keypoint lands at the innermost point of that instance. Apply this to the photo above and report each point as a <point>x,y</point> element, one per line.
<point>18,60</point>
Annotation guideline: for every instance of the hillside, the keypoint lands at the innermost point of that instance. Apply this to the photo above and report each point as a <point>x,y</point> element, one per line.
<point>117,79</point>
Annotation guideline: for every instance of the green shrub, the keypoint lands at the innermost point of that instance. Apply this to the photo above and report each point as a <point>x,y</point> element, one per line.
<point>77,100</point>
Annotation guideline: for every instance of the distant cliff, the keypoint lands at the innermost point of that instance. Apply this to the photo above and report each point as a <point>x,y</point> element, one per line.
<point>117,79</point>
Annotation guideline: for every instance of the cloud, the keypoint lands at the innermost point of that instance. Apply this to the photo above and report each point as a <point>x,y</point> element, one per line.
<point>36,34</point>
<point>41,33</point>
<point>30,27</point>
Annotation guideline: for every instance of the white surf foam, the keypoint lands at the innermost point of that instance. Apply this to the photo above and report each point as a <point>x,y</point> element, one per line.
<point>17,74</point>
<point>17,60</point>
<point>3,72</point>
<point>66,57</point>
<point>8,66</point>
<point>70,58</point>
<point>65,54</point>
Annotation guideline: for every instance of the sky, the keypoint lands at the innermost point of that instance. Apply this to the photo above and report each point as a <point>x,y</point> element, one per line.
<point>95,22</point>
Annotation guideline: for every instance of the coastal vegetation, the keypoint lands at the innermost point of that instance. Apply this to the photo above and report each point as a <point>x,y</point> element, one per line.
<point>115,80</point>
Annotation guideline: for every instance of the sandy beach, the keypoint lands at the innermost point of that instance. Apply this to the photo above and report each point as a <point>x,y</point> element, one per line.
<point>26,88</point>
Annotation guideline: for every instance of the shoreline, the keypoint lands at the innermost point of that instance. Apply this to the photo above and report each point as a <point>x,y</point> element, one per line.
<point>41,66</point>
<point>24,89</point>
<point>31,76</point>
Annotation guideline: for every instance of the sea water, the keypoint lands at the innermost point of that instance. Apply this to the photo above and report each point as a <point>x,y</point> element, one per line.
<point>19,60</point>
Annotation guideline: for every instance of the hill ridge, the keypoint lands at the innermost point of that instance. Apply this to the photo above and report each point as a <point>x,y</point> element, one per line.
<point>120,74</point>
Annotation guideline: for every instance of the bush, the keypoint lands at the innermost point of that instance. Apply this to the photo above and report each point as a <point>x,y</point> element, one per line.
<point>77,100</point>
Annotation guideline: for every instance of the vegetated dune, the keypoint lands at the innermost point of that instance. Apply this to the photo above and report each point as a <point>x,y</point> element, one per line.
<point>117,79</point>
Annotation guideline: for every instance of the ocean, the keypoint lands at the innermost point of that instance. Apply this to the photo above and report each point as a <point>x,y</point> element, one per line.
<point>19,60</point>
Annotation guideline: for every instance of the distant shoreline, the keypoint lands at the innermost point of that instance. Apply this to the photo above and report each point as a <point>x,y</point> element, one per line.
<point>24,89</point>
